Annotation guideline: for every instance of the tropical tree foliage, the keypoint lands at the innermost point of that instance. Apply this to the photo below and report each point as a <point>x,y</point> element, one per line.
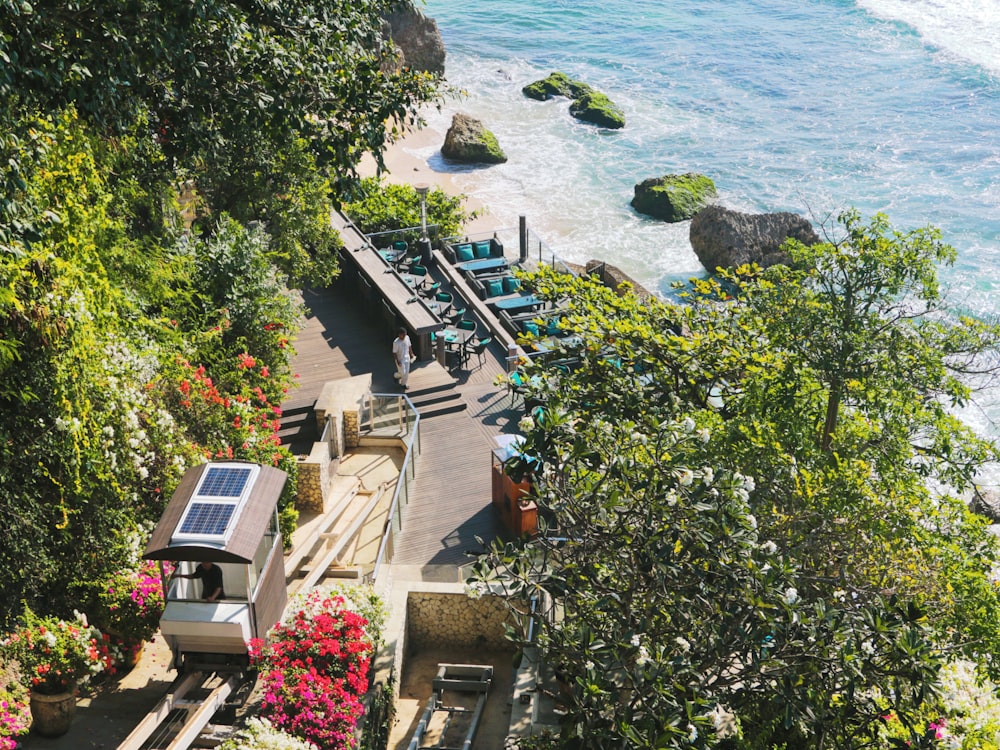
<point>143,325</point>
<point>95,428</point>
<point>721,560</point>
<point>268,106</point>
<point>380,206</point>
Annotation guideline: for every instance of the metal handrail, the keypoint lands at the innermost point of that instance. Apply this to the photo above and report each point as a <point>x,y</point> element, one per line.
<point>413,438</point>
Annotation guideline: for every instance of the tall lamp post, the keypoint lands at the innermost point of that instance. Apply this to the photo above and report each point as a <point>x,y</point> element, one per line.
<point>422,189</point>
<point>425,244</point>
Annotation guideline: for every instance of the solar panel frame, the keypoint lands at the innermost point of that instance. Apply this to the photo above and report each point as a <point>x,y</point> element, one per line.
<point>214,507</point>
<point>224,481</point>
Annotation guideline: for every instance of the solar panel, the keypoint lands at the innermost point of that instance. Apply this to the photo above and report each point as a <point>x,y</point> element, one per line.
<point>207,518</point>
<point>224,481</point>
<point>215,506</point>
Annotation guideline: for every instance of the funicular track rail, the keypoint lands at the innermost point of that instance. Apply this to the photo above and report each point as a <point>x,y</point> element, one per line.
<point>177,720</point>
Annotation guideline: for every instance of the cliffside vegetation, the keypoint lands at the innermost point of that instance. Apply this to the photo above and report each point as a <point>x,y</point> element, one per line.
<point>166,173</point>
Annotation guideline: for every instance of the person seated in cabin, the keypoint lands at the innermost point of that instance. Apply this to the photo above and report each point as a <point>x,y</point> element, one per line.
<point>211,580</point>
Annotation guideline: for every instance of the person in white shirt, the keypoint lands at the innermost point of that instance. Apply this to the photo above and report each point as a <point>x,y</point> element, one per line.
<point>401,352</point>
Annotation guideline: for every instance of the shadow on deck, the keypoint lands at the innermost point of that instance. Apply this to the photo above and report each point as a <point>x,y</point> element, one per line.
<point>461,414</point>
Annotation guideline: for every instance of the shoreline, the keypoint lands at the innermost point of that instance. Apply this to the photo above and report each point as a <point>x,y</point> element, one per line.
<point>404,167</point>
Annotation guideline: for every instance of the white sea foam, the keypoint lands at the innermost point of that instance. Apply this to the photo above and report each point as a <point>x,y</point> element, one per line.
<point>968,29</point>
<point>889,105</point>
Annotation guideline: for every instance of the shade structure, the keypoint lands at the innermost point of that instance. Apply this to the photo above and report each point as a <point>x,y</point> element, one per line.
<point>219,512</point>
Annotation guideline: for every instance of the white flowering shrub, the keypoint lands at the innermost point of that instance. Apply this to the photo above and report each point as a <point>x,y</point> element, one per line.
<point>260,735</point>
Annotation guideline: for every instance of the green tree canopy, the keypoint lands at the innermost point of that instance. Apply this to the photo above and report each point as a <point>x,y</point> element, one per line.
<point>716,554</point>
<point>268,106</point>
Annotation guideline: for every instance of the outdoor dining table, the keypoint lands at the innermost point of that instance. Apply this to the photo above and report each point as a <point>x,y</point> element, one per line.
<point>391,254</point>
<point>456,337</point>
<point>438,308</point>
<point>452,341</point>
<point>483,265</point>
<point>412,280</point>
<point>520,302</point>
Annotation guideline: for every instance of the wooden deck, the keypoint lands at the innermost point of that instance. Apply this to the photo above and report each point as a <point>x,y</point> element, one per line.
<point>460,417</point>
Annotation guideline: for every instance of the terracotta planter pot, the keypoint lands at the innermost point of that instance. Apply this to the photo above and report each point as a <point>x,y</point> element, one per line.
<point>52,715</point>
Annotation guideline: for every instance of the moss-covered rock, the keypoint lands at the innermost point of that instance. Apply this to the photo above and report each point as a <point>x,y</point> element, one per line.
<point>673,197</point>
<point>556,84</point>
<point>589,105</point>
<point>596,108</point>
<point>468,141</point>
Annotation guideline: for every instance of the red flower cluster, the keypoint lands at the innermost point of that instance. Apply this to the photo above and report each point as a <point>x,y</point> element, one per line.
<point>242,425</point>
<point>315,672</point>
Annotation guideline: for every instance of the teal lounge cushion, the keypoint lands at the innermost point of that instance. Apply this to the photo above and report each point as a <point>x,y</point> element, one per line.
<point>494,288</point>
<point>483,249</point>
<point>552,327</point>
<point>464,253</point>
<point>511,285</point>
<point>531,327</point>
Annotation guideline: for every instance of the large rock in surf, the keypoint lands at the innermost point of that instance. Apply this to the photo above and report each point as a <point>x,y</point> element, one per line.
<point>673,197</point>
<point>556,84</point>
<point>596,108</point>
<point>418,39</point>
<point>468,141</point>
<point>589,105</point>
<point>723,238</point>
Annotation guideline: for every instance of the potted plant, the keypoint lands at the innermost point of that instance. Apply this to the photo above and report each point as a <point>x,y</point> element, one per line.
<point>54,656</point>
<point>131,603</point>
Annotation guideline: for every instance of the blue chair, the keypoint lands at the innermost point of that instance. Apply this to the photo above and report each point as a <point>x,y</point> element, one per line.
<point>517,384</point>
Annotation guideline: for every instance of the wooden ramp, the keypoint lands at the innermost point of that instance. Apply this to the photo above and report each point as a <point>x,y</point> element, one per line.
<point>461,414</point>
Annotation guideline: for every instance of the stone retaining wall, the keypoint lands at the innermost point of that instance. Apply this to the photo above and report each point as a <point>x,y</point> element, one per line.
<point>436,618</point>
<point>314,476</point>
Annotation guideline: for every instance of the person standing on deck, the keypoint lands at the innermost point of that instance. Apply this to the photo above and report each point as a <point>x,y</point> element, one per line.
<point>402,352</point>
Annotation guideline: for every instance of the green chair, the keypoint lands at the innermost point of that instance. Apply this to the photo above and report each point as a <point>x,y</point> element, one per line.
<point>478,348</point>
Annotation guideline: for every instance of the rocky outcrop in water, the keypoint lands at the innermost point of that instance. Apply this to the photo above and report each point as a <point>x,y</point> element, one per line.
<point>468,141</point>
<point>589,105</point>
<point>673,197</point>
<point>724,238</point>
<point>418,39</point>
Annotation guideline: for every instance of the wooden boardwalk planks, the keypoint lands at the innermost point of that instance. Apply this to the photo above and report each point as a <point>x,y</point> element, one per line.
<point>461,414</point>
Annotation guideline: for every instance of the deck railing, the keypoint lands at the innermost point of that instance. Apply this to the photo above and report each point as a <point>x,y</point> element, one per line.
<point>393,414</point>
<point>408,234</point>
<point>542,254</point>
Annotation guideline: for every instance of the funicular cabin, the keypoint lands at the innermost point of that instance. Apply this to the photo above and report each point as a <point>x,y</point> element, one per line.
<point>225,513</point>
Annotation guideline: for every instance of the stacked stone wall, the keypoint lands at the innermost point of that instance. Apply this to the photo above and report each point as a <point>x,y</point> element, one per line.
<point>314,476</point>
<point>352,428</point>
<point>436,619</point>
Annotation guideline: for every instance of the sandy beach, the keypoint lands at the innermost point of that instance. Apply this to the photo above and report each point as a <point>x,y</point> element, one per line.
<point>404,167</point>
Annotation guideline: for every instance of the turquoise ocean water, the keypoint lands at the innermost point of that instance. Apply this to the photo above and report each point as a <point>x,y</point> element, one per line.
<point>811,107</point>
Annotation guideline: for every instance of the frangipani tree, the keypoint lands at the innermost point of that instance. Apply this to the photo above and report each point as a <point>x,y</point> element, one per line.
<point>809,598</point>
<point>674,621</point>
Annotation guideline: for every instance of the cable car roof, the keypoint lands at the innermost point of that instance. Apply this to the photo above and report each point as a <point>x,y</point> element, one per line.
<point>219,512</point>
